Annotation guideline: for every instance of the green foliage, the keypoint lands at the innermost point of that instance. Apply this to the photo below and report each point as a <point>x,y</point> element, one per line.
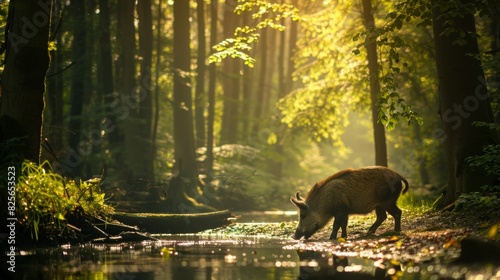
<point>331,64</point>
<point>489,160</point>
<point>238,175</point>
<point>451,10</point>
<point>4,6</point>
<point>392,45</point>
<point>44,198</point>
<point>416,204</point>
<point>269,15</point>
<point>330,79</point>
<point>474,201</point>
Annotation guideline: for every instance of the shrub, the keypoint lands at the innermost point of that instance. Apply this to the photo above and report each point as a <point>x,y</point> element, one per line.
<point>44,198</point>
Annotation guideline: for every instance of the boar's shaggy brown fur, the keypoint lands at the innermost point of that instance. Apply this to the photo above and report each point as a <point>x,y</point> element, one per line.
<point>350,191</point>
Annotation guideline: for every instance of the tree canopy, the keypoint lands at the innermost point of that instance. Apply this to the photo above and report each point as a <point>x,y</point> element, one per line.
<point>249,101</point>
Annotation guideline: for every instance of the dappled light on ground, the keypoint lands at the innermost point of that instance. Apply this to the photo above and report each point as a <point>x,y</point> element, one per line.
<point>258,250</point>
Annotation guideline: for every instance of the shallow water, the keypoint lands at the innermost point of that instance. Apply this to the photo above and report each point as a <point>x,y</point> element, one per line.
<point>222,257</point>
<point>175,257</point>
<point>218,257</point>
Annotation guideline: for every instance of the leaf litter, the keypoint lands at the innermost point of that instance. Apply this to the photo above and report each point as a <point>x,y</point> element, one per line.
<point>430,243</point>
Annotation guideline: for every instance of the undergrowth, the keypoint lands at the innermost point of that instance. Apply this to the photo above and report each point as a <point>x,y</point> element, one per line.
<point>45,198</point>
<point>417,204</point>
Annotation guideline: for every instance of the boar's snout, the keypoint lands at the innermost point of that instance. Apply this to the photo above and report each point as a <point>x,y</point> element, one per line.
<point>299,234</point>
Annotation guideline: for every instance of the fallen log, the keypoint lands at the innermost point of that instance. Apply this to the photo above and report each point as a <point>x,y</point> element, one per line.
<point>175,223</point>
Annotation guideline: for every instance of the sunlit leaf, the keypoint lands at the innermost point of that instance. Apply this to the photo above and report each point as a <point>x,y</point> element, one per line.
<point>493,231</point>
<point>272,139</point>
<point>60,216</point>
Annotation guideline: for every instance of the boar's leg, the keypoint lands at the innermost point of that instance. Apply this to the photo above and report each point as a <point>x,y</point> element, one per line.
<point>395,212</point>
<point>340,221</point>
<point>381,216</point>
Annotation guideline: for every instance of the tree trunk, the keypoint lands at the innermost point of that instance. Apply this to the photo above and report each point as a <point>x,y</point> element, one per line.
<point>247,87</point>
<point>422,160</point>
<point>141,150</point>
<point>371,47</point>
<point>78,72</point>
<point>90,59</point>
<point>55,102</point>
<point>124,102</point>
<point>292,42</point>
<point>212,75</point>
<point>281,63</point>
<point>495,49</point>
<point>157,76</point>
<point>463,98</point>
<point>200,78</point>
<point>261,83</point>
<point>272,36</point>
<point>183,116</point>
<point>231,82</point>
<point>23,79</point>
<point>114,135</point>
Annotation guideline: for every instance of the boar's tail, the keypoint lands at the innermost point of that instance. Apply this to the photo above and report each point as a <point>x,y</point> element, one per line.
<point>405,189</point>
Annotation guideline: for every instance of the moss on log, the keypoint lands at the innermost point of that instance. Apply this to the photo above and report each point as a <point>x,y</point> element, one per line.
<point>175,223</point>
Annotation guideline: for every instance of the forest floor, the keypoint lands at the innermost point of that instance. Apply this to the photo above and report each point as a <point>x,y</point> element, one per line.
<point>477,222</point>
<point>466,238</point>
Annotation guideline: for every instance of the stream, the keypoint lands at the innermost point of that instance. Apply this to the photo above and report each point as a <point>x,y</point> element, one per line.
<point>217,256</point>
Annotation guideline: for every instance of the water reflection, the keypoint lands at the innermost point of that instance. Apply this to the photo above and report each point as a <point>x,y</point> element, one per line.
<point>181,257</point>
<point>321,265</point>
<point>228,257</point>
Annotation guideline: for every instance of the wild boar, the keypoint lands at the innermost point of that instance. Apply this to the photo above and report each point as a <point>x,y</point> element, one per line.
<point>350,191</point>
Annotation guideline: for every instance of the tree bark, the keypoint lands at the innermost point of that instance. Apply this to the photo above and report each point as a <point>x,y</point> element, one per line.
<point>157,76</point>
<point>212,76</point>
<point>247,87</point>
<point>292,42</point>
<point>55,86</point>
<point>141,152</point>
<point>183,116</point>
<point>23,79</point>
<point>231,82</point>
<point>463,98</point>
<point>115,136</point>
<point>77,10</point>
<point>371,47</point>
<point>261,83</point>
<point>124,102</point>
<point>200,99</point>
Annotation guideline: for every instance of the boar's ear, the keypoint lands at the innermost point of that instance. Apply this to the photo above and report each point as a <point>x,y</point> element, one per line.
<point>299,203</point>
<point>298,197</point>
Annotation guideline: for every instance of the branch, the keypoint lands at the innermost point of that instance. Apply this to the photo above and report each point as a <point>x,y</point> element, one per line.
<point>62,70</point>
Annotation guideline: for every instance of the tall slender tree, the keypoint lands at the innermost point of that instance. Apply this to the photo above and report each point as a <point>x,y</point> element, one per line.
<point>183,114</point>
<point>371,47</point>
<point>231,82</point>
<point>115,137</point>
<point>142,151</point>
<point>55,85</point>
<point>292,44</point>
<point>463,96</point>
<point>23,79</point>
<point>247,87</point>
<point>212,75</point>
<point>78,81</point>
<point>156,118</point>
<point>126,77</point>
<point>200,98</point>
<point>261,82</point>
